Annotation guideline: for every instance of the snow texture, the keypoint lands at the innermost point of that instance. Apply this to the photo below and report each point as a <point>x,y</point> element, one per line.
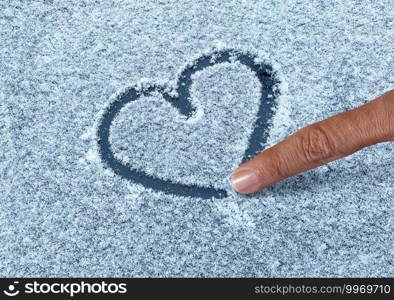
<point>64,213</point>
<point>148,130</point>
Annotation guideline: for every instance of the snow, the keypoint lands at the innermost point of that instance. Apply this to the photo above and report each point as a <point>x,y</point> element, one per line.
<point>63,212</point>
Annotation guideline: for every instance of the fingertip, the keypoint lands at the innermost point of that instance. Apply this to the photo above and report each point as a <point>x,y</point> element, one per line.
<point>245,181</point>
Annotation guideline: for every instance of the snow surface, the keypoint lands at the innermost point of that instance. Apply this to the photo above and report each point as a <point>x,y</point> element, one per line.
<point>151,135</point>
<point>64,213</point>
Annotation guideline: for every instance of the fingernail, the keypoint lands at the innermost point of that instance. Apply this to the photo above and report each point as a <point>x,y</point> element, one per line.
<point>245,181</point>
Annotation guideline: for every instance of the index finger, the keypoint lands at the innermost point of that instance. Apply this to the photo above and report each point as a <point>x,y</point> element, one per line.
<point>318,144</point>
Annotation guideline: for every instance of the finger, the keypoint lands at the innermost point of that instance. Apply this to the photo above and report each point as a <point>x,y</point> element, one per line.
<point>318,144</point>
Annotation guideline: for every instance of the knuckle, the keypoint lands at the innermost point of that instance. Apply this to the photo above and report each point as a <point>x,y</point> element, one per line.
<point>316,144</point>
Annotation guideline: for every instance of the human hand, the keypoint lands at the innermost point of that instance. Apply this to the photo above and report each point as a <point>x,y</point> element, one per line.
<point>319,144</point>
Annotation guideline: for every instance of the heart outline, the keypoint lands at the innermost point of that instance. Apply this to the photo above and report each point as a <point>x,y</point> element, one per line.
<point>267,79</point>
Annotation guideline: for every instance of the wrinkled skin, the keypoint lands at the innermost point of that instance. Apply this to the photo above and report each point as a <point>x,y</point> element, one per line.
<point>319,144</point>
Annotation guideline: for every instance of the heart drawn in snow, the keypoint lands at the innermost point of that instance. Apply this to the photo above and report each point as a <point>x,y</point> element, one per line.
<point>181,101</point>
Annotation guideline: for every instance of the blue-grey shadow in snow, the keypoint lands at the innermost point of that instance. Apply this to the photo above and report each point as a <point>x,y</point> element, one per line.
<point>268,81</point>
